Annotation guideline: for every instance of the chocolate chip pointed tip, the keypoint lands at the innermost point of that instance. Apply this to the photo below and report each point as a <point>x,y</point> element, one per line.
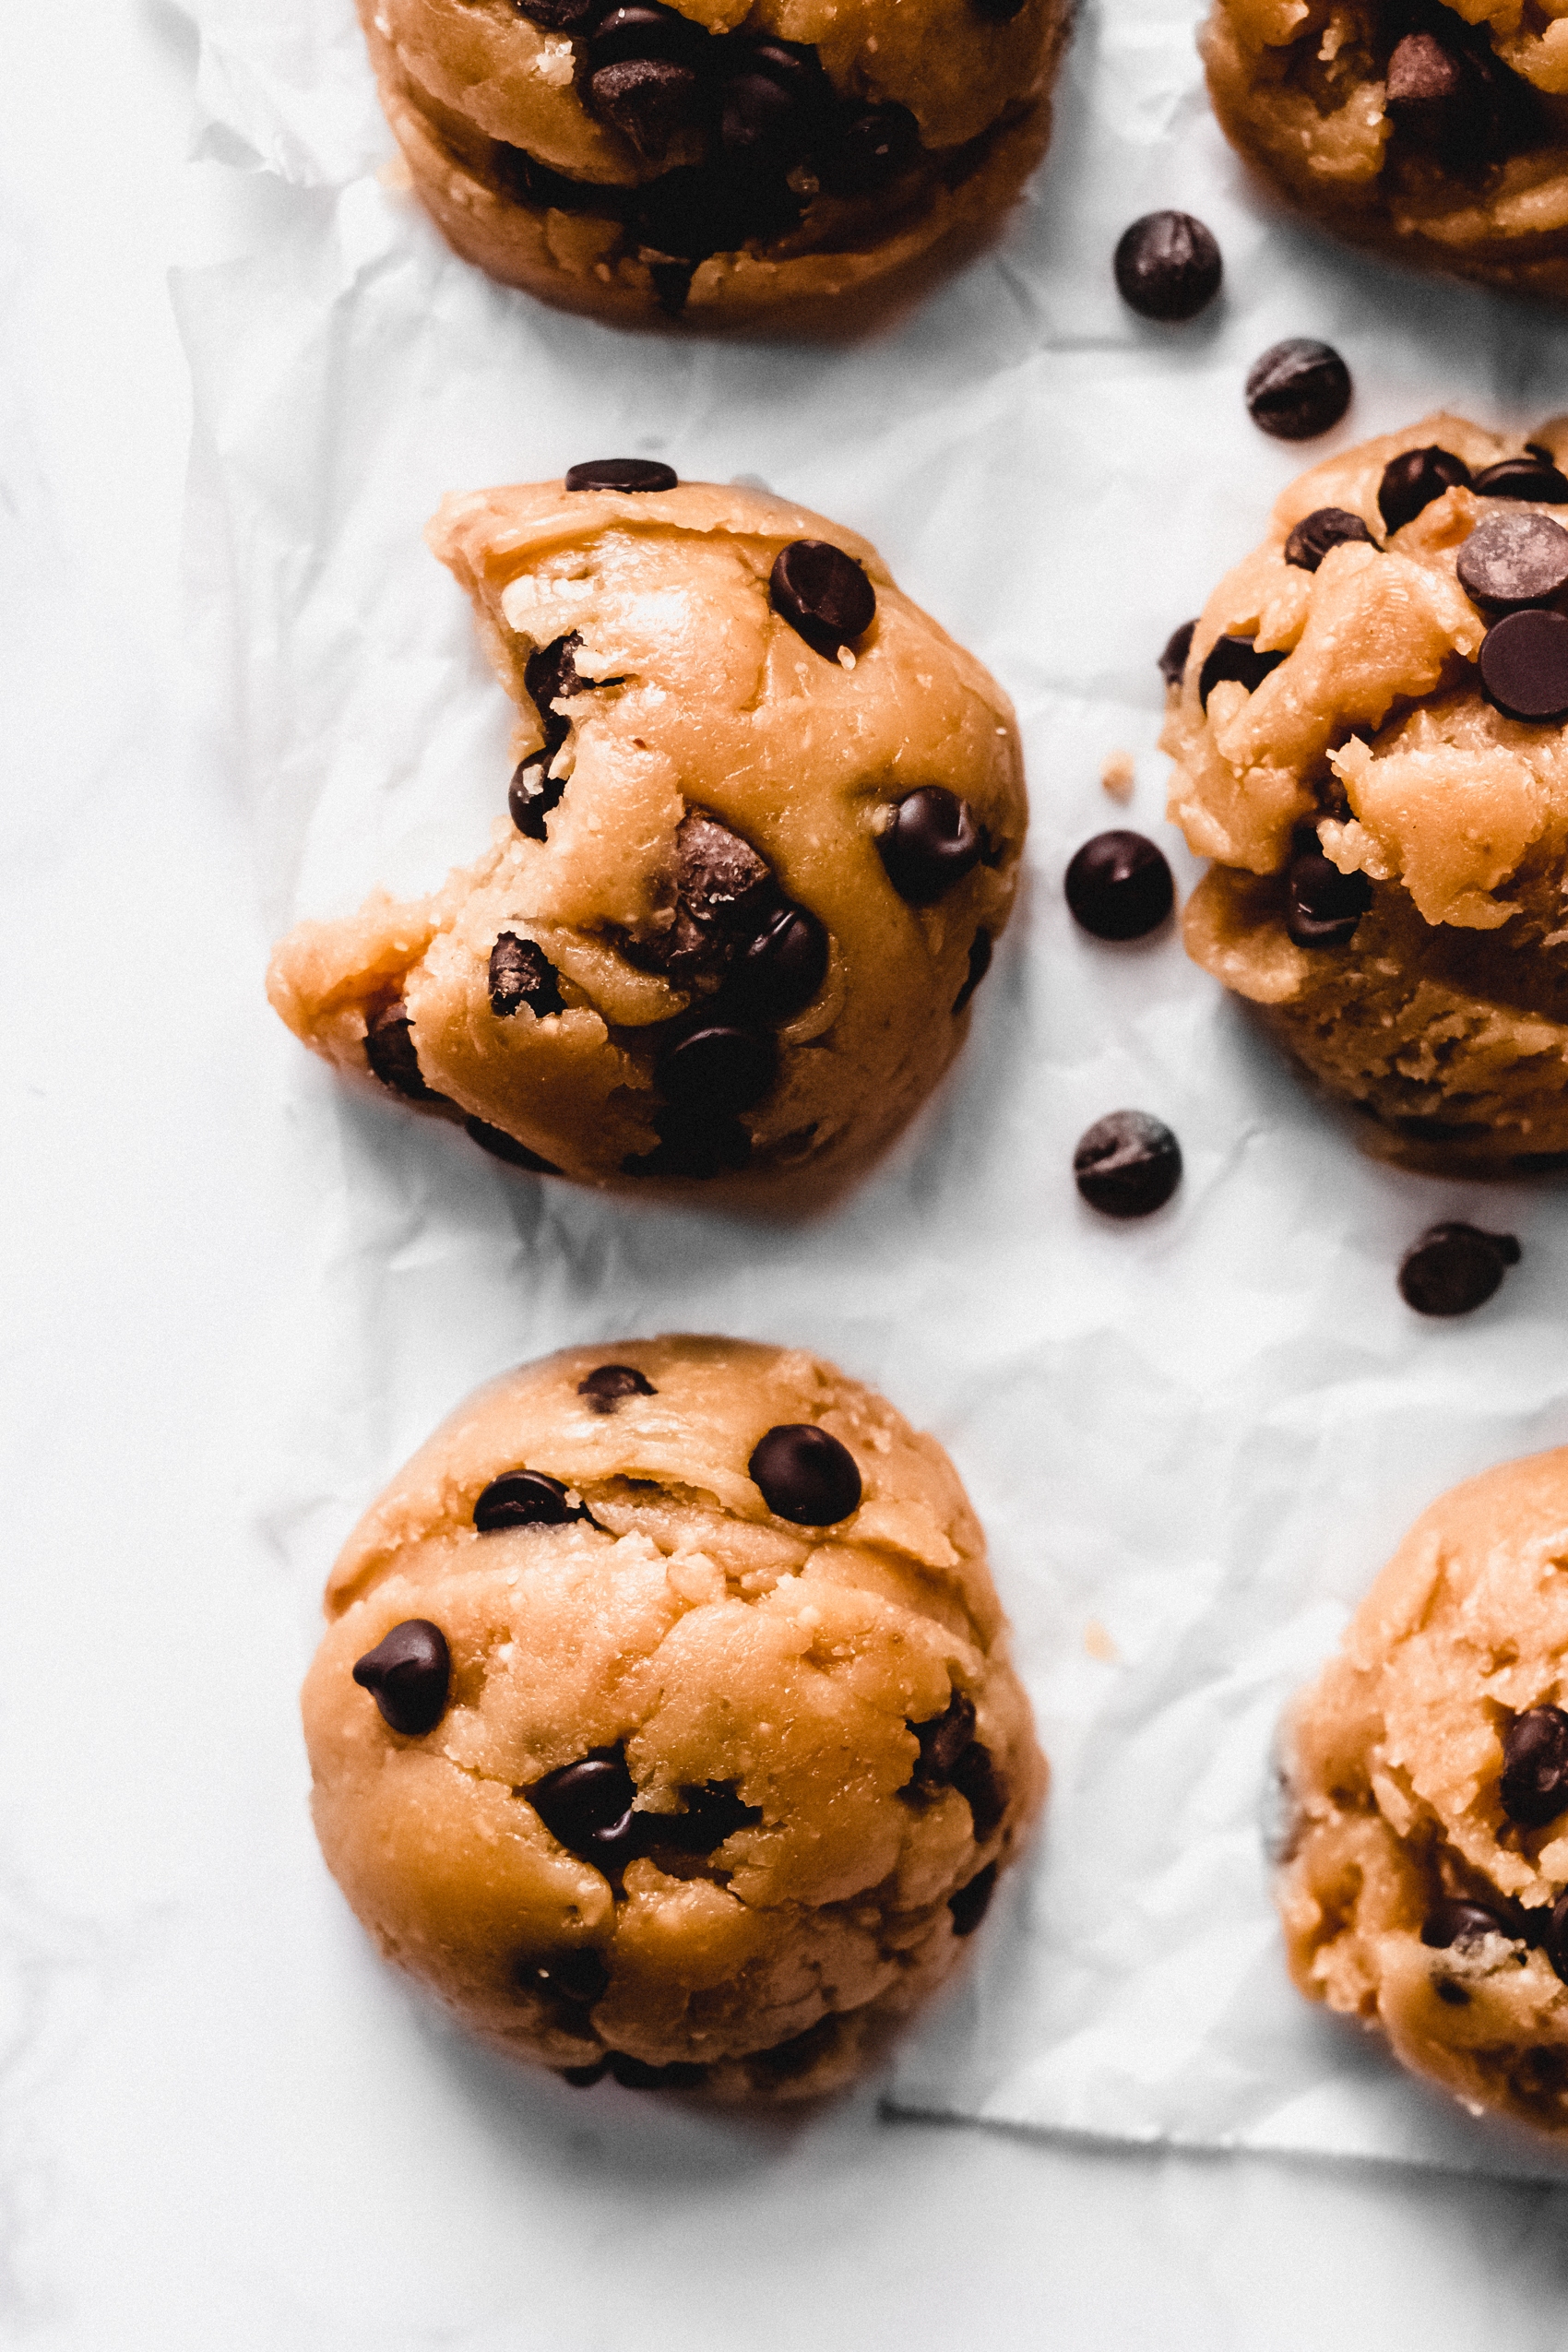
<point>805,1475</point>
<point>409,1675</point>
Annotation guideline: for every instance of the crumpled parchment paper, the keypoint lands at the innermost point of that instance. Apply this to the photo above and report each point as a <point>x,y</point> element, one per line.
<point>1192,1440</point>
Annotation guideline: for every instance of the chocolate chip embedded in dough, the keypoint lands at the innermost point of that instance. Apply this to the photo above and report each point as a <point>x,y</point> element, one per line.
<point>1127,1164</point>
<point>719,1068</point>
<point>390,1049</point>
<point>1235,661</point>
<point>997,12</point>
<point>1324,528</point>
<point>1454,1269</point>
<point>868,151</point>
<point>1414,478</point>
<point>532,793</point>
<point>1556,1937</point>
<point>1533,478</point>
<point>583,2078</point>
<point>520,973</point>
<point>409,1676</point>
<point>712,1811</point>
<point>822,593</point>
<point>931,843</point>
<point>1429,92</point>
<point>980,964</point>
<point>943,1739</point>
<point>522,1499</point>
<point>586,1807</point>
<point>608,1383</point>
<point>622,473</point>
<point>650,101</point>
<point>561,16</point>
<point>1120,886</point>
<point>1534,1786</point>
<point>1523,666</point>
<point>643,30</point>
<point>1298,390</point>
<point>804,1475</point>
<point>721,881</point>
<point>763,125</point>
<point>1168,265</point>
<point>972,1902</point>
<point>1322,905</point>
<point>1512,561</point>
<point>500,1145</point>
<point>578,1974</point>
<point>693,1142</point>
<point>1450,1924</point>
<point>976,1778</point>
<point>780,969</point>
<point>636,2075</point>
<point>1173,660</point>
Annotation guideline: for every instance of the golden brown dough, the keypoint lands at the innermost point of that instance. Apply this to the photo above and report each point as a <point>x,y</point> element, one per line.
<point>1396,1764</point>
<point>828,1752</point>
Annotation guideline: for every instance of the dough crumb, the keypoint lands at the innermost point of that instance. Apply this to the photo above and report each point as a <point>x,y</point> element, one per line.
<point>1099,1644</point>
<point>1119,775</point>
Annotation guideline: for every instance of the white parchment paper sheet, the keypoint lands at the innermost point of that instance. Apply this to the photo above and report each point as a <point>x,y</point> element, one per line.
<point>1193,1441</point>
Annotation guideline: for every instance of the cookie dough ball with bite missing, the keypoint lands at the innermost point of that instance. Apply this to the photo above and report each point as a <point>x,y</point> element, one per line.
<point>664,1723</point>
<point>1370,732</point>
<point>1437,134</point>
<point>1425,1891</point>
<point>651,164</point>
<point>764,826</point>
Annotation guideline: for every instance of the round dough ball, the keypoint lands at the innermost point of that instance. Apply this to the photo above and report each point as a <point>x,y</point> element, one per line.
<point>725,942</point>
<point>1423,1887</point>
<point>666,165</point>
<point>1390,848</point>
<point>702,1786</point>
<point>1443,143</point>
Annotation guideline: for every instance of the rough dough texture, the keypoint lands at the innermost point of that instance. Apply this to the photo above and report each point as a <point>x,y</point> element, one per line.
<point>1393,1764</point>
<point>719,1645</point>
<point>711,703</point>
<point>1445,1020</point>
<point>1299,86</point>
<point>494,119</point>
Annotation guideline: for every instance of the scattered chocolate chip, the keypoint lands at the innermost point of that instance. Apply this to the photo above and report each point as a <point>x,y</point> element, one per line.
<point>976,1778</point>
<point>972,1902</point>
<point>822,593</point>
<point>868,151</point>
<point>1429,94</point>
<point>980,964</point>
<point>622,473</point>
<point>409,1675</point>
<point>943,1739</point>
<point>691,1142</point>
<point>520,974</point>
<point>1324,528</point>
<point>583,2078</point>
<point>651,101</point>
<point>1120,886</point>
<point>1298,390</point>
<point>605,1386</point>
<point>1173,660</point>
<point>1512,561</point>
<point>390,1049</point>
<point>1168,265</point>
<point>1413,480</point>
<point>718,1069</point>
<point>1524,665</point>
<point>713,1812</point>
<point>804,1475</point>
<point>586,1807</point>
<point>1522,478</point>
<point>778,971</point>
<point>1235,661</point>
<point>636,2075</point>
<point>1454,1269</point>
<point>1127,1164</point>
<point>1448,1924</point>
<point>500,1145</point>
<point>522,1499</point>
<point>1556,1937</point>
<point>576,1974</point>
<point>560,16</point>
<point>931,843</point>
<point>1322,905</point>
<point>1534,1767</point>
<point>531,795</point>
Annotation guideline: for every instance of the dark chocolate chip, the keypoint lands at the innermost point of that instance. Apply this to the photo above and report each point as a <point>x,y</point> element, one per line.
<point>586,1807</point>
<point>980,964</point>
<point>409,1675</point>
<point>1522,478</point>
<point>761,124</point>
<point>931,843</point>
<point>583,2078</point>
<point>1235,661</point>
<point>804,1475</point>
<point>605,1386</point>
<point>718,1069</point>
<point>1448,1924</point>
<point>500,1145</point>
<point>976,1778</point>
<point>1413,480</point>
<point>522,1499</point>
<point>533,793</point>
<point>1429,92</point>
<point>972,1902</point>
<point>1556,1937</point>
<point>1120,886</point>
<point>520,973</point>
<point>787,2062</point>
<point>636,2075</point>
<point>622,473</point>
<point>943,1739</point>
<point>1534,1767</point>
<point>721,883</point>
<point>1173,660</point>
<point>1524,664</point>
<point>1324,528</point>
<point>691,1142</point>
<point>868,151</point>
<point>822,593</point>
<point>643,29</point>
<point>1454,1269</point>
<point>390,1049</point>
<point>1168,265</point>
<point>578,1974</point>
<point>779,971</point>
<point>1298,390</point>
<point>1127,1164</point>
<point>1512,561</point>
<point>686,214</point>
<point>1452,1994</point>
<point>561,16</point>
<point>1322,905</point>
<point>997,12</point>
<point>713,1812</point>
<point>551,675</point>
<point>672,282</point>
<point>651,101</point>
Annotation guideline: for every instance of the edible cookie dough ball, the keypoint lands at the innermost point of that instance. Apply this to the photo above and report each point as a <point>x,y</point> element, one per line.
<point>664,1723</point>
<point>764,824</point>
<point>1426,1891</point>
<point>1371,743</point>
<point>1439,134</point>
<point>649,163</point>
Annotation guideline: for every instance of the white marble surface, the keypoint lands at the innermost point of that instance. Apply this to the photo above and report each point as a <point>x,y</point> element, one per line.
<point>219,2125</point>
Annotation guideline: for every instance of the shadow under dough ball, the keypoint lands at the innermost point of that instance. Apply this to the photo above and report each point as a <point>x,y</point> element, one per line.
<point>762,827</point>
<point>686,1774</point>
